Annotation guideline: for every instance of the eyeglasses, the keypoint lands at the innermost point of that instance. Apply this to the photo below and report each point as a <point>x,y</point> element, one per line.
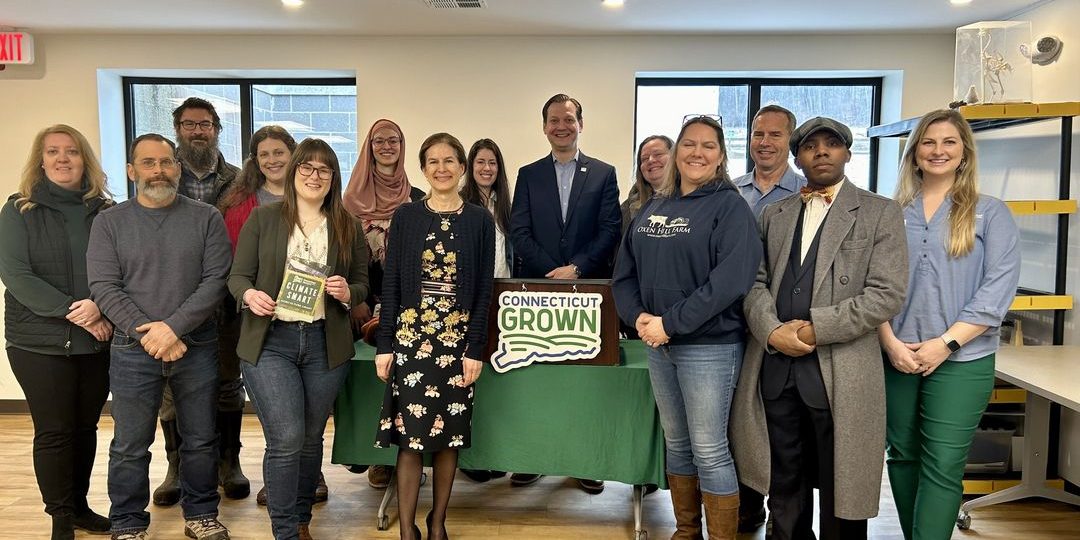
<point>190,125</point>
<point>392,141</point>
<point>714,117</point>
<point>149,163</point>
<point>655,156</point>
<point>306,170</point>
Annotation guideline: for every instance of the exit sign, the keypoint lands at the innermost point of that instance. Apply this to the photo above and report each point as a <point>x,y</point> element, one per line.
<point>16,48</point>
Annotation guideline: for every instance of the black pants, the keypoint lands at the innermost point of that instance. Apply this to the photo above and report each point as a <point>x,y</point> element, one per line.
<point>801,445</point>
<point>65,395</point>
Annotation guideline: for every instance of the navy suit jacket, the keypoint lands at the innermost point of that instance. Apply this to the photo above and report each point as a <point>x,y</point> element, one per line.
<point>588,237</point>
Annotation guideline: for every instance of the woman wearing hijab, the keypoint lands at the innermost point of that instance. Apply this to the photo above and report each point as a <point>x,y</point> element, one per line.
<point>377,187</point>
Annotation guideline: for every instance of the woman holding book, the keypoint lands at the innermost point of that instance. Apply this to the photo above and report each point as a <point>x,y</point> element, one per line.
<point>295,343</point>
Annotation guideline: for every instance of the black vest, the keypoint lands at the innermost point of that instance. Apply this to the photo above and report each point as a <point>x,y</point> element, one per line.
<point>793,301</point>
<point>50,260</point>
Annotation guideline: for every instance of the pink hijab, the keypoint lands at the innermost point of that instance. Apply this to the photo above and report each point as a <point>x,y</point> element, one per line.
<point>371,195</point>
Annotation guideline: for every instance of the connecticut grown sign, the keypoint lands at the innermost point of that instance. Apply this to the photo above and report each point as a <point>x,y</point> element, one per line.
<point>546,327</point>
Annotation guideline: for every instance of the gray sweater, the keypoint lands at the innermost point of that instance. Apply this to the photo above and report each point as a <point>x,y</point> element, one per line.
<point>158,264</point>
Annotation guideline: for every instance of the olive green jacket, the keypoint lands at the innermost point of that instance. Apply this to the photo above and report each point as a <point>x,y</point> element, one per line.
<point>260,263</point>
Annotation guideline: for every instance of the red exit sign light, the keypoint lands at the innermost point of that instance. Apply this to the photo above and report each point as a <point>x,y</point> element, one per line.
<point>16,48</point>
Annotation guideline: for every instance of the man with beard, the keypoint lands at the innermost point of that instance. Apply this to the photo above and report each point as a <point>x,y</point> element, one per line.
<point>809,408</point>
<point>204,176</point>
<point>157,266</point>
<point>205,173</point>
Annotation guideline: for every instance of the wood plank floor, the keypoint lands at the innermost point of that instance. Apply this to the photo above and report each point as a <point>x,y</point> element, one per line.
<point>551,509</point>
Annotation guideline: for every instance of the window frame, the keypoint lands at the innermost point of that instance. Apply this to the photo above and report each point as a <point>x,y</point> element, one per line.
<point>247,87</point>
<point>754,84</point>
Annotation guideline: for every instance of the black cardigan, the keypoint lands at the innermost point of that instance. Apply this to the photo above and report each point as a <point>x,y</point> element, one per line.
<point>409,227</point>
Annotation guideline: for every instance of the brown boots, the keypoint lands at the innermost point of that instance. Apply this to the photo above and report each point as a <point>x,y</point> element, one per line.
<point>686,501</point>
<point>721,515</point>
<point>721,511</point>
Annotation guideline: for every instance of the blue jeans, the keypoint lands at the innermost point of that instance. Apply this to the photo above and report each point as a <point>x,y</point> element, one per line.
<point>293,390</point>
<point>693,385</point>
<point>137,381</point>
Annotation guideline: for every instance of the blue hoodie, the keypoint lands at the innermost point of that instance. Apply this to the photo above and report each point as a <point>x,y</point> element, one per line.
<point>690,259</point>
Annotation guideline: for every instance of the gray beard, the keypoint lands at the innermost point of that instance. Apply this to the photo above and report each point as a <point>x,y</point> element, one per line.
<point>158,194</point>
<point>198,158</point>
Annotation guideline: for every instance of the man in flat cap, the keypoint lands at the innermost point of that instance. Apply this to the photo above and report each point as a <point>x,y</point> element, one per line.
<point>809,408</point>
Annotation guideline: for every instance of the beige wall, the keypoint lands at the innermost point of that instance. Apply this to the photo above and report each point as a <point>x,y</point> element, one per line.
<point>471,87</point>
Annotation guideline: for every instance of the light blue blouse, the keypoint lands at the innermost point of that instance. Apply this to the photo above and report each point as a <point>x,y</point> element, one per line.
<point>977,288</point>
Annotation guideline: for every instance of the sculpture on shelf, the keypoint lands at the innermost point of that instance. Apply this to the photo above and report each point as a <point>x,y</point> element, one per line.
<point>993,64</point>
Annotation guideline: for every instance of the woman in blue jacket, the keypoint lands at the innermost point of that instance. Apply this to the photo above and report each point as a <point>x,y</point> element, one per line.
<point>687,260</point>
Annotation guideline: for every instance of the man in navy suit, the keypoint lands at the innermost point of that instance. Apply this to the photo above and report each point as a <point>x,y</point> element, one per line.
<point>565,221</point>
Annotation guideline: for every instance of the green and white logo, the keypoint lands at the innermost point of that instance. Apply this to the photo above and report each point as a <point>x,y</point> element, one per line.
<point>546,327</point>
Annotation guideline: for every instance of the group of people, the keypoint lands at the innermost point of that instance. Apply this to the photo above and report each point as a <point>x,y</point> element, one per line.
<point>798,326</point>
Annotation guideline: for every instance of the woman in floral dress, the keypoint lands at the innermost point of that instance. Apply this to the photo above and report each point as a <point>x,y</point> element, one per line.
<point>433,329</point>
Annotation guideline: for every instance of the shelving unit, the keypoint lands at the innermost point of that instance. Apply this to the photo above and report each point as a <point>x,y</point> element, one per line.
<point>989,117</point>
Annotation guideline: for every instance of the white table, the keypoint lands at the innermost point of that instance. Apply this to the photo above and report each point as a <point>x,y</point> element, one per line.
<point>1049,374</point>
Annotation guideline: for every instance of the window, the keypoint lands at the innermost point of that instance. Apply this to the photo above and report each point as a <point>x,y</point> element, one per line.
<point>662,103</point>
<point>321,108</point>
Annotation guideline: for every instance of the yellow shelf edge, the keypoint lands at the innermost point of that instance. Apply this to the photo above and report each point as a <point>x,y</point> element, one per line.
<point>1041,302</point>
<point>1020,110</point>
<point>1042,207</point>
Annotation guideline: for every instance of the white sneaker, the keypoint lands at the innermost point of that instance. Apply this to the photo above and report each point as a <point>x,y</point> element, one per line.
<point>206,529</point>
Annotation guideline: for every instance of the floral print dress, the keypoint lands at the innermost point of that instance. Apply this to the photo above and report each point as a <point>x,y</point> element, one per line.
<point>425,408</point>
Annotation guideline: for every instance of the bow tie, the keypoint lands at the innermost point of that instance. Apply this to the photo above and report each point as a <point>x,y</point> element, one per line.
<point>808,193</point>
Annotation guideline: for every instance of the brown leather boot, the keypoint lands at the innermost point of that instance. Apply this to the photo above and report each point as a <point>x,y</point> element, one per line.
<point>304,532</point>
<point>721,515</point>
<point>686,501</point>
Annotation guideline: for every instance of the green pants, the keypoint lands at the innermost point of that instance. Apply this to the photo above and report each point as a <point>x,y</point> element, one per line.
<point>931,422</point>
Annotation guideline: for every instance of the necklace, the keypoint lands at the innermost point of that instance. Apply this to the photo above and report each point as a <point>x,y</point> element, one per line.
<point>305,235</point>
<point>444,217</point>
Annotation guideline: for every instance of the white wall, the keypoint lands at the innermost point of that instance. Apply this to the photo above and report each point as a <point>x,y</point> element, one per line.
<point>472,87</point>
<point>1059,81</point>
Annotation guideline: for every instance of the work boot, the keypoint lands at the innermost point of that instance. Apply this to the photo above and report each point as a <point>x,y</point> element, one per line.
<point>378,476</point>
<point>230,476</point>
<point>686,502</point>
<point>721,515</point>
<point>168,493</point>
<point>322,493</point>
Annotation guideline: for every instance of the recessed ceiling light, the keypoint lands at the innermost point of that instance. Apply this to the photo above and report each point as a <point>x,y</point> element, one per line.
<point>959,2</point>
<point>612,3</point>
<point>292,3</point>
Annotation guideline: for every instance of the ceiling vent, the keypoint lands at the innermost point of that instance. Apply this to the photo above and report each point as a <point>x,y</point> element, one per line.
<point>456,4</point>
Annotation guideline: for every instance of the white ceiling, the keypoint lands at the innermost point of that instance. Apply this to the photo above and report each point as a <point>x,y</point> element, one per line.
<point>502,17</point>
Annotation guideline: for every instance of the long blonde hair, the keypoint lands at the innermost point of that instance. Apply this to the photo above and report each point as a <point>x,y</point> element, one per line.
<point>965,189</point>
<point>32,174</point>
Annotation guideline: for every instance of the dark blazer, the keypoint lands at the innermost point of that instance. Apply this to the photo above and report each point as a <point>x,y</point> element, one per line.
<point>260,263</point>
<point>588,237</point>
<point>475,270</point>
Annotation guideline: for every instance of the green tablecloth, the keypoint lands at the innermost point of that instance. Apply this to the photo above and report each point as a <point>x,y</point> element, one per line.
<point>596,422</point>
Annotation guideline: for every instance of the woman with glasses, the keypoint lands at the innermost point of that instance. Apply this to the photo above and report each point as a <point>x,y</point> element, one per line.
<point>686,262</point>
<point>295,360</point>
<point>377,187</point>
<point>57,339</point>
<point>432,331</point>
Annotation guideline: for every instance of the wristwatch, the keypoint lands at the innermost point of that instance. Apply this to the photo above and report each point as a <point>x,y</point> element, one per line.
<point>577,271</point>
<point>951,343</point>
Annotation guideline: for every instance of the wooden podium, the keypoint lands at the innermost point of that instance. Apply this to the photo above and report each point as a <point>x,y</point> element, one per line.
<point>609,319</point>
